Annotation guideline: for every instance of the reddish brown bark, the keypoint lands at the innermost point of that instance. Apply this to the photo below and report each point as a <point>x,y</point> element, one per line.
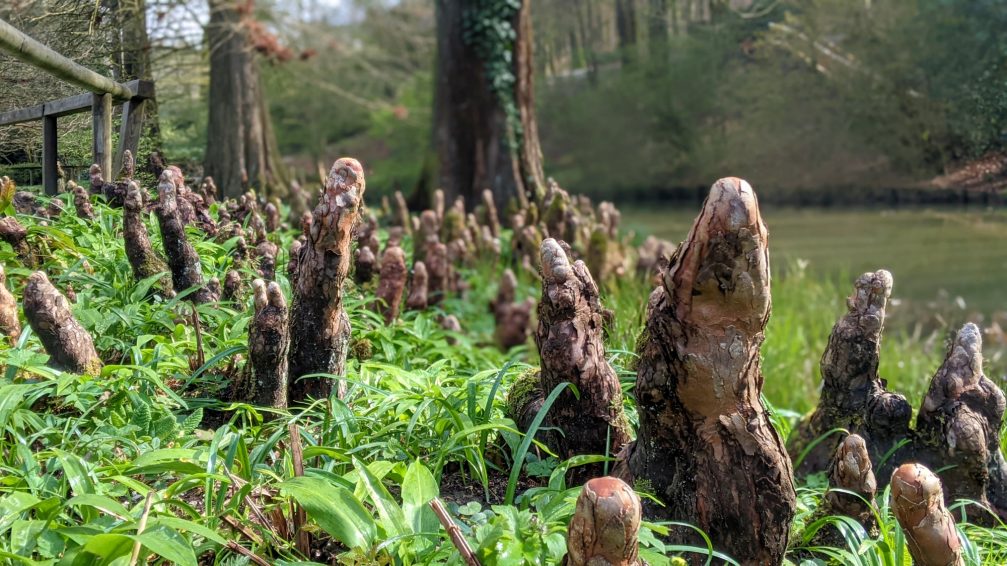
<point>918,504</point>
<point>319,327</point>
<point>68,344</point>
<point>605,525</point>
<point>705,442</point>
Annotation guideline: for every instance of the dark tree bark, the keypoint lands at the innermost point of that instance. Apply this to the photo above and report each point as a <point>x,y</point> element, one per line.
<point>570,343</point>
<point>484,129</point>
<point>625,25</point>
<point>186,271</point>
<point>268,342</point>
<point>68,344</point>
<point>142,258</point>
<point>10,326</point>
<point>239,152</point>
<point>319,327</point>
<point>705,442</point>
<point>82,202</point>
<point>605,525</point>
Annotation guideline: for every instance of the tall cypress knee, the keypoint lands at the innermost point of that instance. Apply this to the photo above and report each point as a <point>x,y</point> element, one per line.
<point>571,347</point>
<point>68,344</point>
<point>10,326</point>
<point>705,444</point>
<point>605,525</point>
<point>319,328</point>
<point>142,258</point>
<point>186,271</point>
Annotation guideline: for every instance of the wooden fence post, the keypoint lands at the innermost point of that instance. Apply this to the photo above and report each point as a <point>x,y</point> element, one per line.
<point>50,178</point>
<point>101,113</point>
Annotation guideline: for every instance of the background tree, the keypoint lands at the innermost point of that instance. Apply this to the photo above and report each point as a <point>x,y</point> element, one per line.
<point>485,130</point>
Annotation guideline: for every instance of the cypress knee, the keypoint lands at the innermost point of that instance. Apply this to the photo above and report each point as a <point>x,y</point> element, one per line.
<point>513,319</point>
<point>417,300</point>
<point>68,344</point>
<point>391,283</point>
<point>319,327</point>
<point>918,503</point>
<point>186,271</point>
<point>439,272</point>
<point>705,443</point>
<point>852,488</point>
<point>142,258</point>
<point>268,342</point>
<point>15,234</point>
<point>853,395</point>
<point>571,346</point>
<point>233,286</point>
<point>10,326</point>
<point>958,429</point>
<point>605,525</point>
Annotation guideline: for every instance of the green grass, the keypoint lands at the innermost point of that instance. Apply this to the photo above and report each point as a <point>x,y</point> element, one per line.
<point>424,416</point>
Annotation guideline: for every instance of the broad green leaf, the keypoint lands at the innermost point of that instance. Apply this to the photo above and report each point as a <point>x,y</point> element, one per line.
<point>391,514</point>
<point>418,488</point>
<point>335,510</point>
<point>167,544</point>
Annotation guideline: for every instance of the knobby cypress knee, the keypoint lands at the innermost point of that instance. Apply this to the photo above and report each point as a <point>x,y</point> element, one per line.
<point>319,327</point>
<point>705,444</point>
<point>268,343</point>
<point>10,326</point>
<point>142,258</point>
<point>186,271</point>
<point>68,344</point>
<point>391,283</point>
<point>918,504</point>
<point>571,346</point>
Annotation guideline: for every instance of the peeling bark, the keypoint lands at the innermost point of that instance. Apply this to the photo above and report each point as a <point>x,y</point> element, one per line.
<point>417,300</point>
<point>705,444</point>
<point>513,320</point>
<point>319,327</point>
<point>918,504</point>
<point>186,271</point>
<point>571,347</point>
<point>605,525</point>
<point>10,326</point>
<point>391,283</point>
<point>268,343</point>
<point>142,258</point>
<point>68,344</point>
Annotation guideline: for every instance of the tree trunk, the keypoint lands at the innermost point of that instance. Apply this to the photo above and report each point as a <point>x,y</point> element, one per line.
<point>319,327</point>
<point>241,150</point>
<point>625,23</point>
<point>705,444</point>
<point>484,129</point>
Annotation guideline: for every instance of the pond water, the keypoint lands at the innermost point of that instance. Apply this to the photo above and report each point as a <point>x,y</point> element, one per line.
<point>954,255</point>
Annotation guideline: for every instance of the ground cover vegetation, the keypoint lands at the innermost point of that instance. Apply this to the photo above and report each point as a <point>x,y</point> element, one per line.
<point>151,439</point>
